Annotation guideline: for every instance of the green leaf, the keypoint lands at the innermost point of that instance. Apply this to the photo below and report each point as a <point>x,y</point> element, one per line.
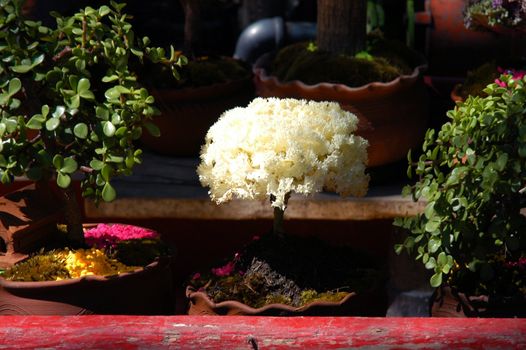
<point>70,165</point>
<point>58,161</point>
<point>431,263</point>
<point>108,79</point>
<point>81,130</point>
<point>83,85</point>
<point>108,193</point>
<point>434,244</point>
<point>14,86</point>
<point>436,280</point>
<point>59,112</point>
<point>442,259</point>
<point>63,180</point>
<point>120,132</point>
<point>104,10</point>
<point>52,124</point>
<point>23,68</point>
<point>106,172</point>
<point>153,129</point>
<point>35,123</point>
<point>96,164</point>
<point>108,129</point>
<point>45,110</point>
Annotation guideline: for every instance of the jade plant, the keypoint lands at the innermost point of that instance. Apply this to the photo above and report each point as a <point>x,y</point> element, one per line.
<point>267,151</point>
<point>472,177</point>
<point>70,100</point>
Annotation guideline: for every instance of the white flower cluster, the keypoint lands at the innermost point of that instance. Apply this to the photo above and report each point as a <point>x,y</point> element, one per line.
<point>276,146</point>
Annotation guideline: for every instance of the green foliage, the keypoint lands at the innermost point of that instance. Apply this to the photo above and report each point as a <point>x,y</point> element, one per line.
<point>69,96</point>
<point>472,177</point>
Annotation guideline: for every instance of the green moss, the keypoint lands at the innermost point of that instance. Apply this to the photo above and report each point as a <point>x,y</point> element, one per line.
<point>310,295</point>
<point>139,252</point>
<point>40,267</point>
<point>386,60</point>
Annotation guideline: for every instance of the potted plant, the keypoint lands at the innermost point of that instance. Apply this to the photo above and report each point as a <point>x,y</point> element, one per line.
<point>471,174</point>
<point>501,16</point>
<point>71,104</point>
<point>208,85</point>
<point>378,80</point>
<point>269,150</point>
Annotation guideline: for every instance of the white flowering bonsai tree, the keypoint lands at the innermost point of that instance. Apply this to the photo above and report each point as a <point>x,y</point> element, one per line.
<point>275,147</point>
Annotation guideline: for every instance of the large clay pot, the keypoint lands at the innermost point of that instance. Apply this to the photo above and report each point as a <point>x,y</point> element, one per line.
<point>187,114</point>
<point>147,291</point>
<point>372,304</point>
<point>392,116</point>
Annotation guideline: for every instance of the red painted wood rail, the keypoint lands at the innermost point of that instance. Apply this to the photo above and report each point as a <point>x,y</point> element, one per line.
<point>237,332</point>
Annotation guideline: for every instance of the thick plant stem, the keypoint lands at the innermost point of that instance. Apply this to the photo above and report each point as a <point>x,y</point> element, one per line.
<point>342,26</point>
<point>278,222</point>
<point>279,213</point>
<point>72,216</point>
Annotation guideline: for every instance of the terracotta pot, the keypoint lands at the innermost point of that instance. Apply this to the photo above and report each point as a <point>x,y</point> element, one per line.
<point>372,304</point>
<point>143,292</point>
<point>393,116</point>
<point>451,48</point>
<point>447,302</point>
<point>187,114</point>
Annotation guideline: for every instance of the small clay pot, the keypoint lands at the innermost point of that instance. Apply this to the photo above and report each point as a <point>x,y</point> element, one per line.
<point>392,116</point>
<point>146,291</point>
<point>353,304</point>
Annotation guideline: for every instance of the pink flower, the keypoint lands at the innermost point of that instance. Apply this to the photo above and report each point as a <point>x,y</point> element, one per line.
<point>196,276</point>
<point>500,83</point>
<point>224,270</point>
<point>104,235</point>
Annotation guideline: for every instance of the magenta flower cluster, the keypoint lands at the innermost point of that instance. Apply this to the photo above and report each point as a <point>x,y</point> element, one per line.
<point>107,235</point>
<point>521,263</point>
<point>516,74</point>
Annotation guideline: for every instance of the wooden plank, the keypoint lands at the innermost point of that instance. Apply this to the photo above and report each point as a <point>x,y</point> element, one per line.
<point>234,332</point>
<point>321,207</point>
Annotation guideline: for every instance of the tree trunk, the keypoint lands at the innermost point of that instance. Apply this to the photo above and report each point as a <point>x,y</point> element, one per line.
<point>192,26</point>
<point>73,217</point>
<point>342,25</point>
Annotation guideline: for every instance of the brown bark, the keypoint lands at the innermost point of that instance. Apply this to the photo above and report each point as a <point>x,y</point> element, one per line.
<point>192,26</point>
<point>342,25</point>
<point>73,216</point>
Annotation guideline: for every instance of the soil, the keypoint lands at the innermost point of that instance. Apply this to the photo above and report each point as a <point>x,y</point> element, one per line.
<point>290,270</point>
<point>384,61</point>
<point>202,71</point>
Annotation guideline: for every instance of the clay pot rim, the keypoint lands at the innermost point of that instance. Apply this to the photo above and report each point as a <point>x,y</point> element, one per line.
<point>261,73</point>
<point>192,294</point>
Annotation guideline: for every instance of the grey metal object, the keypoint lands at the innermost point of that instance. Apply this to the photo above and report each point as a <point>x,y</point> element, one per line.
<point>269,34</point>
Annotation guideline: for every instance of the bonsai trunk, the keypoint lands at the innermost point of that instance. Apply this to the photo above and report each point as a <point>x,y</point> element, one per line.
<point>192,26</point>
<point>342,26</point>
<point>72,216</point>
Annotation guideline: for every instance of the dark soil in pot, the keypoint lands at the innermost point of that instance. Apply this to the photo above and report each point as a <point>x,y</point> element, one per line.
<point>294,271</point>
